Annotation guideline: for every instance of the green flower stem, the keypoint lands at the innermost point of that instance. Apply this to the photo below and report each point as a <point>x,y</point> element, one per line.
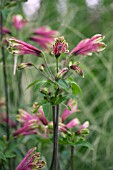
<point>5,81</point>
<point>49,71</point>
<point>72,158</point>
<point>44,74</point>
<point>19,85</point>
<point>57,64</point>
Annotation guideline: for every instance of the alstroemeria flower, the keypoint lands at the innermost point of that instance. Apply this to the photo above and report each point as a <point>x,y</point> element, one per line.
<point>59,47</point>
<point>44,42</point>
<point>28,129</point>
<point>25,117</point>
<point>5,31</point>
<point>19,47</point>
<point>44,37</point>
<point>88,46</point>
<point>31,161</point>
<point>18,22</point>
<point>46,32</point>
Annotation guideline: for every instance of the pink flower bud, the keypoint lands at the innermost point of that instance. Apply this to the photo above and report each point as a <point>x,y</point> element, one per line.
<point>61,73</point>
<point>78,70</point>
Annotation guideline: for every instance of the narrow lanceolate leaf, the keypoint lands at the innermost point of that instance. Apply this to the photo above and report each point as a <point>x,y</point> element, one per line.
<point>31,84</point>
<point>47,109</point>
<point>38,85</point>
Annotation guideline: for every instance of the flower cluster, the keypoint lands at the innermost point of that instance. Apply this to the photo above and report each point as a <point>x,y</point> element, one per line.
<point>39,124</point>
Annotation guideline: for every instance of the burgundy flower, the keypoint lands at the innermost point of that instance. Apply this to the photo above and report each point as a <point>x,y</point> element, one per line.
<point>60,46</point>
<point>19,47</point>
<point>31,161</point>
<point>88,46</point>
<point>18,22</point>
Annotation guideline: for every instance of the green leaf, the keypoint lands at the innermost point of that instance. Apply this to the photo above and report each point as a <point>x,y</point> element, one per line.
<point>31,84</point>
<point>76,88</point>
<point>47,109</point>
<point>2,156</point>
<point>39,84</point>
<point>9,155</point>
<point>66,106</point>
<point>86,144</point>
<point>63,84</point>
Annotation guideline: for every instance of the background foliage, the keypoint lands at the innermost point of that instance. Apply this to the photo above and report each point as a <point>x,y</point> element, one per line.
<point>74,20</point>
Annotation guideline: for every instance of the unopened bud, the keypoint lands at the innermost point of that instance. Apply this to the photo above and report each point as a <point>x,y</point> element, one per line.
<point>24,65</point>
<point>35,105</point>
<point>78,70</point>
<point>61,73</point>
<point>41,67</point>
<point>45,91</point>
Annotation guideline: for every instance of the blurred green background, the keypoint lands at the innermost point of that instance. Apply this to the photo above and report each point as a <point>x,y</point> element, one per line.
<point>75,20</point>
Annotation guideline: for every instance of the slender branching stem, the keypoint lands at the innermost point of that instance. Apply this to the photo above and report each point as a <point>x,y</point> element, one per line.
<point>57,64</point>
<point>5,79</point>
<point>72,158</point>
<point>19,85</point>
<point>49,71</point>
<point>44,74</point>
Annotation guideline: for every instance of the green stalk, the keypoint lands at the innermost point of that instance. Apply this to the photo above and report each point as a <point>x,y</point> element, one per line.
<point>49,71</point>
<point>72,157</point>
